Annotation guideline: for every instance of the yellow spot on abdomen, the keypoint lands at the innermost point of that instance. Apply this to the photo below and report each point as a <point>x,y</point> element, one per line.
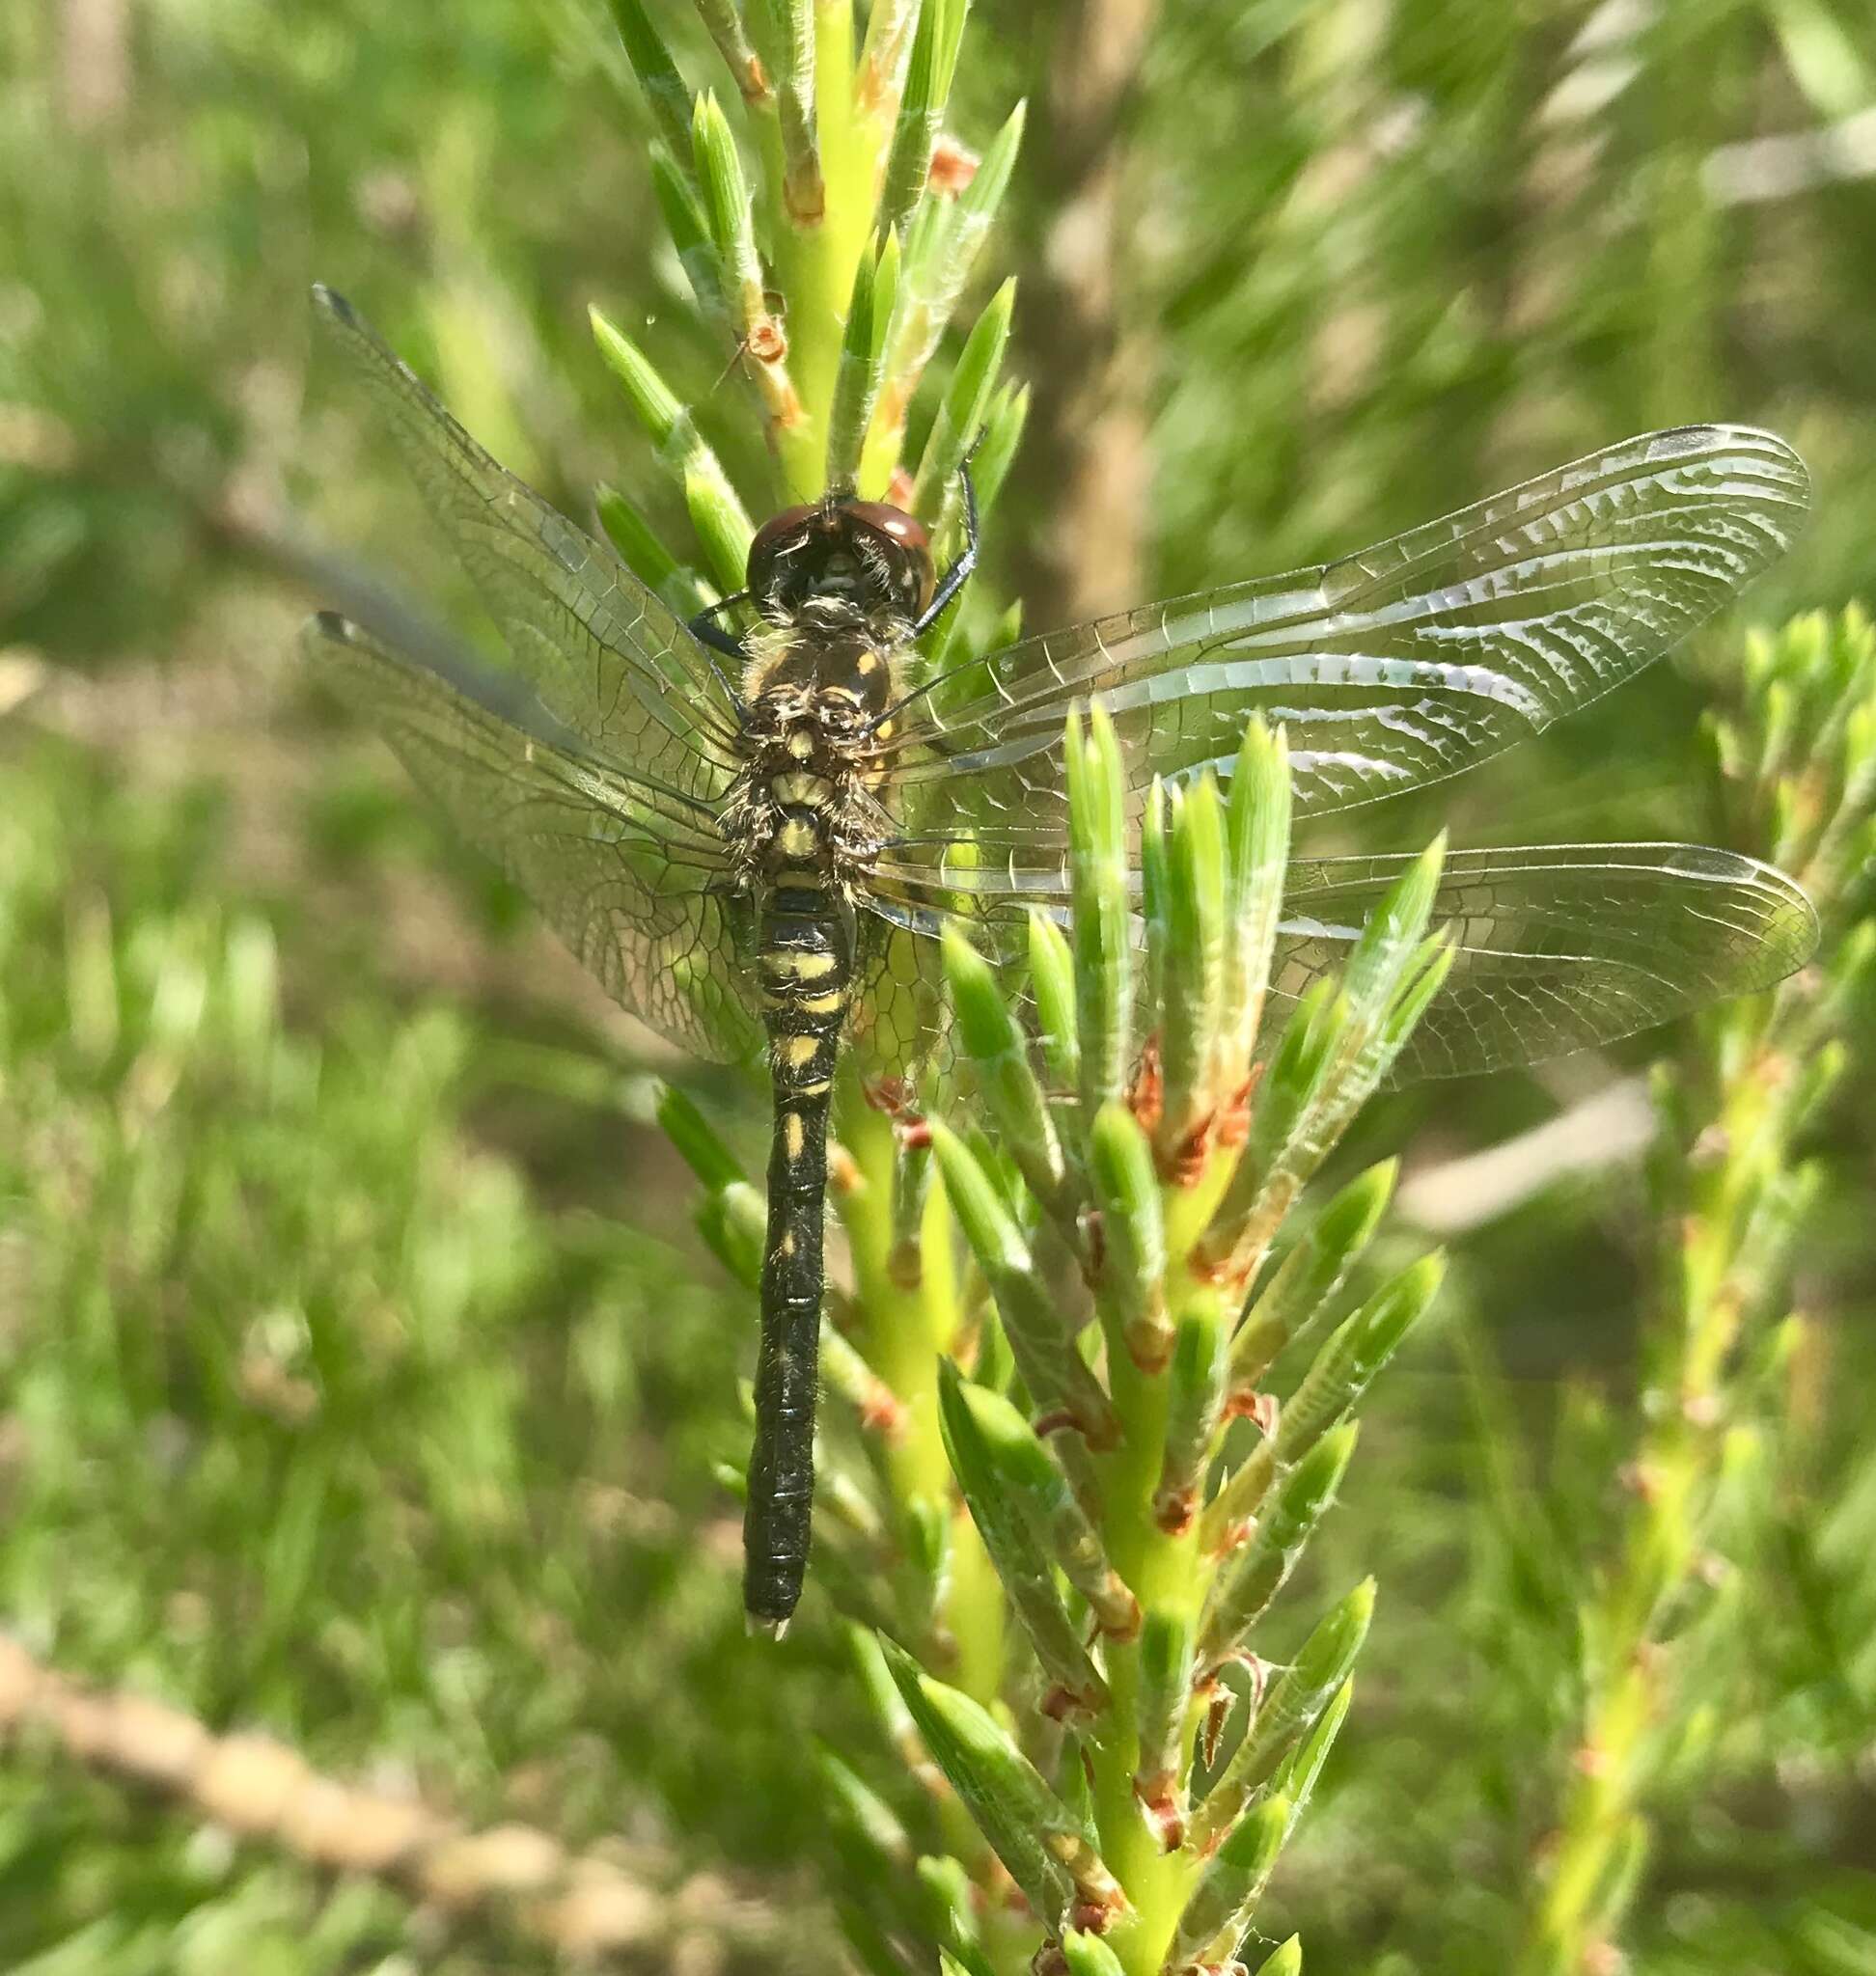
<point>794,1136</point>
<point>799,1052</point>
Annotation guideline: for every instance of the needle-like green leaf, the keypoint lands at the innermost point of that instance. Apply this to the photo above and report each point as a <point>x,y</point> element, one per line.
<point>1295,1704</point>
<point>1102,935</point>
<point>1052,978</point>
<point>856,385</point>
<point>1347,1366</point>
<point>965,407</point>
<point>1258,1573</point>
<point>1165,1695</point>
<point>922,110</point>
<point>723,522</point>
<point>1195,1408</point>
<point>1053,1855</point>
<point>1089,1954</point>
<point>689,228</point>
<point>1010,1538</point>
<point>1038,1331</point>
<point>1194,969</point>
<point>651,62</point>
<point>1133,1236</point>
<point>1230,1887</point>
<point>1035,1487</point>
<point>1285,1310</point>
<point>804,189</point>
<point>994,1041</point>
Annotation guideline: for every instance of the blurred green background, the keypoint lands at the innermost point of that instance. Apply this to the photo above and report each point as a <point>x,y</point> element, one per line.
<point>359,1381</point>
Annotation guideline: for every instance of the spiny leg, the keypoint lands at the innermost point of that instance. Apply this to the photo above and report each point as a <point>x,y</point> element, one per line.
<point>958,574</point>
<point>704,628</point>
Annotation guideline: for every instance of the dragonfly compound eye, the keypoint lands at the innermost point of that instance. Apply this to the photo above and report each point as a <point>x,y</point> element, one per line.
<point>775,556</point>
<point>864,554</point>
<point>904,543</point>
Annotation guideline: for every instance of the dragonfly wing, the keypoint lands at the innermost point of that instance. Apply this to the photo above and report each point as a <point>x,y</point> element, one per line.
<point>899,1028</point>
<point>1559,947</point>
<point>629,873</point>
<point>1391,669</point>
<point>606,656</point>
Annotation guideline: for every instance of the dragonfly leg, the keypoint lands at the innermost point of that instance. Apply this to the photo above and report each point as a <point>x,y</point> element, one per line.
<point>705,627</point>
<point>958,574</point>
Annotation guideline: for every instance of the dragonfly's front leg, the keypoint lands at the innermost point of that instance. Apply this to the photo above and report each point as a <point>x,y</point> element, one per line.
<point>958,574</point>
<point>704,628</point>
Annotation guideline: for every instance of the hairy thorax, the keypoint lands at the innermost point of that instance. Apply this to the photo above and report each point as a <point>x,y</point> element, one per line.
<point>815,690</point>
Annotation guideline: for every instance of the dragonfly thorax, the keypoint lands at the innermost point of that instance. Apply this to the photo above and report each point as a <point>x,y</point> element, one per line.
<point>828,670</point>
<point>811,739</point>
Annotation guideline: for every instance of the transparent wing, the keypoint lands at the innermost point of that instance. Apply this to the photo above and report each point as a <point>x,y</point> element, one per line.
<point>604,654</point>
<point>629,873</point>
<point>1391,669</point>
<point>900,1025</point>
<point>1561,947</point>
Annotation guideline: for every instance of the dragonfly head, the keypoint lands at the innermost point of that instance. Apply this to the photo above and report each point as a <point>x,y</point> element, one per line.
<point>867,556</point>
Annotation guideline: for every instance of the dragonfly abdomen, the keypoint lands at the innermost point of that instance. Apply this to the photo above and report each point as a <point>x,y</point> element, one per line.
<point>805,965</point>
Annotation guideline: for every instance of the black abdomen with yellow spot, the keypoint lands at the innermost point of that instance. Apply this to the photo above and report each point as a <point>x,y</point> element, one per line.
<point>805,960</point>
<point>806,966</point>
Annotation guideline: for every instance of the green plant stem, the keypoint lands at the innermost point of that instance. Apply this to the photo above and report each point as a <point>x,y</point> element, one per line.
<point>1166,1573</point>
<point>1794,774</point>
<point>908,1328</point>
<point>816,257</point>
<point>1154,1880</point>
<point>1672,1475</point>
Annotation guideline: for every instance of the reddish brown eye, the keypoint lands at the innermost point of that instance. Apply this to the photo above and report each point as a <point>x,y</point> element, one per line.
<point>893,523</point>
<point>863,555</point>
<point>907,542</point>
<point>790,521</point>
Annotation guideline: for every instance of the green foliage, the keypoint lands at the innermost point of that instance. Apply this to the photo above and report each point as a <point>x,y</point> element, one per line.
<point>843,267</point>
<point>1796,773</point>
<point>318,1419</point>
<point>1088,1616</point>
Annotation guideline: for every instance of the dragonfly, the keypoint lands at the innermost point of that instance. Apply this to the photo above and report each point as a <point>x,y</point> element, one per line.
<point>754,839</point>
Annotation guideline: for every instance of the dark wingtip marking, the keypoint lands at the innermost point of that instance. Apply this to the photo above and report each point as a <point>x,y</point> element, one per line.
<point>330,624</point>
<point>334,303</point>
